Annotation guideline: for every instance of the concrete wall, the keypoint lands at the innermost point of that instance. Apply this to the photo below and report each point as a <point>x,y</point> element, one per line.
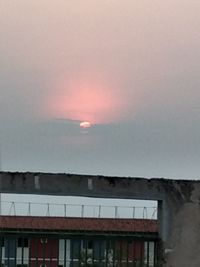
<point>179,204</point>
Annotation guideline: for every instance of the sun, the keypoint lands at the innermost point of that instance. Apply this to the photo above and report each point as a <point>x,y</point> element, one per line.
<point>85,124</point>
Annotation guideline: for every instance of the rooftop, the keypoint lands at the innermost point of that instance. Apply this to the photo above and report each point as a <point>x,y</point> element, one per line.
<point>22,223</point>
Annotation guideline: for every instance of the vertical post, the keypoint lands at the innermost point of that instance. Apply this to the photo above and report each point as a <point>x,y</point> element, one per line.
<point>65,254</point>
<point>29,251</point>
<point>12,206</point>
<point>7,251</point>
<point>113,257</point>
<point>82,211</point>
<point>116,208</point>
<point>93,248</point>
<point>65,210</point>
<point>155,253</point>
<point>145,216</point>
<point>120,252</point>
<point>72,253</point>
<point>134,253</point>
<point>86,251</point>
<point>1,245</point>
<point>29,208</point>
<point>107,249</point>
<point>133,212</point>
<point>48,210</point>
<point>79,252</point>
<point>127,252</point>
<point>99,215</point>
<point>15,253</point>
<point>141,253</point>
<point>100,253</point>
<point>147,253</point>
<point>51,247</point>
<point>23,243</point>
<point>37,251</point>
<point>44,242</point>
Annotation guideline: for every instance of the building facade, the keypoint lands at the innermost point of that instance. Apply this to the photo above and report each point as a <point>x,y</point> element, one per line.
<point>73,242</point>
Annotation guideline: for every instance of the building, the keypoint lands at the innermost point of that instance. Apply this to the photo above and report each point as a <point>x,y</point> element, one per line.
<point>72,242</point>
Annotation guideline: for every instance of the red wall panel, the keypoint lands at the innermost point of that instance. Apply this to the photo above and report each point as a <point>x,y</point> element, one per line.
<point>44,251</point>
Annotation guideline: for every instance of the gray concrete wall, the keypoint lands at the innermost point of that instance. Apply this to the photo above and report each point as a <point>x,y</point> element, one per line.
<point>179,204</point>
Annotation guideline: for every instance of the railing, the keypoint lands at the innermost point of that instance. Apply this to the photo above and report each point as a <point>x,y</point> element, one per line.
<point>73,210</point>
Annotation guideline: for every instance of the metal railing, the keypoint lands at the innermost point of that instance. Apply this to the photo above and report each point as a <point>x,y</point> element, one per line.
<point>14,208</point>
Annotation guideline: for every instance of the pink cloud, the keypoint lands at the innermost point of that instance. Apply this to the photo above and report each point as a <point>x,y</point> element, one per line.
<point>85,99</point>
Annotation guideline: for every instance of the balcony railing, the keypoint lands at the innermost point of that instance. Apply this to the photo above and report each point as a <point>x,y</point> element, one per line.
<point>12,208</point>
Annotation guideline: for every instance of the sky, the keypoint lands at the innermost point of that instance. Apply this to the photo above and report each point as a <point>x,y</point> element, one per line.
<point>130,68</point>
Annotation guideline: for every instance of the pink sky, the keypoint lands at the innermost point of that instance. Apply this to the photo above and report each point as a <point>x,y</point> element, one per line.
<point>140,45</point>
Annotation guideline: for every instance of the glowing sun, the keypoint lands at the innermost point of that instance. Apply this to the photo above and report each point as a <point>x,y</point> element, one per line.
<point>85,124</point>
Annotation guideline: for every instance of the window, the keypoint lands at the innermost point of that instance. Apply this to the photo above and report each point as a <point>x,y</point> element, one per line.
<point>22,242</point>
<point>2,242</point>
<point>90,245</point>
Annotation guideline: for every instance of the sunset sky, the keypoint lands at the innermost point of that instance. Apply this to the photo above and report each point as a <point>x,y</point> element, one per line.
<point>130,68</point>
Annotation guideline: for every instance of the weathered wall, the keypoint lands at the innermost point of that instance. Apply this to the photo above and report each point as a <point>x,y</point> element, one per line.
<point>179,204</point>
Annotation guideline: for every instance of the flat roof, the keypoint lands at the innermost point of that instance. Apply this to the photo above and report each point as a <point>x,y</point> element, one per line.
<point>78,224</point>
